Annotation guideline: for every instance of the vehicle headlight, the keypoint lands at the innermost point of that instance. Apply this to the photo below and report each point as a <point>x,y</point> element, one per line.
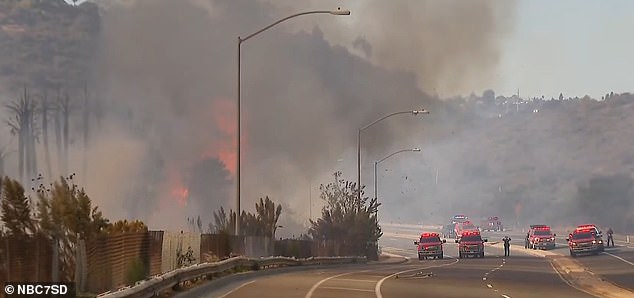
<point>600,241</point>
<point>594,241</point>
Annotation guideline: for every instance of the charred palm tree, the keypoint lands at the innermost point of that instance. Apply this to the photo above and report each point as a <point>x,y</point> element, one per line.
<point>21,123</point>
<point>45,109</point>
<point>86,124</point>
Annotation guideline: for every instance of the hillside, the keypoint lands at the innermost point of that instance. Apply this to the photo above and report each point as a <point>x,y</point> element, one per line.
<point>559,160</point>
<point>555,161</point>
<point>46,43</point>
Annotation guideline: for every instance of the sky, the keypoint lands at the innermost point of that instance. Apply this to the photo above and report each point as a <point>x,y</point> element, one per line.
<point>568,46</point>
<point>574,47</point>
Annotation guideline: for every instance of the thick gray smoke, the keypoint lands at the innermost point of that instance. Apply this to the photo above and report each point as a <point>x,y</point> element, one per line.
<point>167,73</point>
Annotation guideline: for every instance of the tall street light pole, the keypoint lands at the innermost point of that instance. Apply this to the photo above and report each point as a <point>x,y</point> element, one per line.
<point>338,12</point>
<point>376,163</point>
<point>413,112</point>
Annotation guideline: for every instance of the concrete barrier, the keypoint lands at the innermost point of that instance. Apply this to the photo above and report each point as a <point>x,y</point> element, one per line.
<point>152,287</point>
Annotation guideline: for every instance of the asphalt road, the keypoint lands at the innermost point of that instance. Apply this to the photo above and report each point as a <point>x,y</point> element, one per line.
<point>519,275</point>
<point>615,265</point>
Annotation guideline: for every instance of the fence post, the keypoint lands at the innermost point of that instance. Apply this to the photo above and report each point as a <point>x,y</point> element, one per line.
<point>55,263</point>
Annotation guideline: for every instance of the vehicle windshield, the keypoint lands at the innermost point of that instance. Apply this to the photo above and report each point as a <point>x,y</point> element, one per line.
<point>585,235</point>
<point>542,232</point>
<point>471,238</point>
<point>468,227</point>
<point>429,240</point>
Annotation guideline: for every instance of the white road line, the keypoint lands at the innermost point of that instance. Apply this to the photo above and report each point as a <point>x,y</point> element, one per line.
<point>484,278</point>
<point>357,280</point>
<point>506,296</point>
<point>348,289</point>
<point>377,288</point>
<point>315,286</point>
<point>489,286</point>
<point>237,288</point>
<point>622,259</point>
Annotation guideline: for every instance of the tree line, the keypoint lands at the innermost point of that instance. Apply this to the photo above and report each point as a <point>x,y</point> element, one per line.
<point>347,220</point>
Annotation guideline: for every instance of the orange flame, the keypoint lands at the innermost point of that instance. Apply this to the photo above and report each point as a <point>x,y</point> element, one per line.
<point>224,147</point>
<point>178,191</point>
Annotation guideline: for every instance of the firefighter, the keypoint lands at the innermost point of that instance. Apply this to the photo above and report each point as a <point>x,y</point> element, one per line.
<point>610,237</point>
<point>507,246</point>
<point>526,239</point>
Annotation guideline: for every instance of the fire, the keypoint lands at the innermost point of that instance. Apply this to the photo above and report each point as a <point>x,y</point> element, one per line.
<point>178,191</point>
<point>224,146</point>
<point>221,146</point>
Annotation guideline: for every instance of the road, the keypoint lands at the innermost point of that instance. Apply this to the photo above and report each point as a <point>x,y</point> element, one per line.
<point>520,275</point>
<point>615,265</point>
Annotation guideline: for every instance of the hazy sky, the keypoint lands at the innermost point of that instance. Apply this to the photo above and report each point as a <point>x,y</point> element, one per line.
<point>576,47</point>
<point>570,46</point>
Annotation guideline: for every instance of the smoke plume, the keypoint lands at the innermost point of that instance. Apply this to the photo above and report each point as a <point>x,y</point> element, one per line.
<point>166,73</point>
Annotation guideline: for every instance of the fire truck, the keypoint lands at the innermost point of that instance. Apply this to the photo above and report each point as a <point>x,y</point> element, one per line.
<point>541,237</point>
<point>585,239</point>
<point>493,224</point>
<point>462,227</point>
<point>471,244</point>
<point>430,245</point>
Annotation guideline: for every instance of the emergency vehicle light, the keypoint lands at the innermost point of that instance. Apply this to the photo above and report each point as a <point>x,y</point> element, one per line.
<point>430,234</point>
<point>586,227</point>
<point>542,228</point>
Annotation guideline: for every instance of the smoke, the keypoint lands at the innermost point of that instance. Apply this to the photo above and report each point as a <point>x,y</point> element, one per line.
<point>452,46</point>
<point>166,73</point>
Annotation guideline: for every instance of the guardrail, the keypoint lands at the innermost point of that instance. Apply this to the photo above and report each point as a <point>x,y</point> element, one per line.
<point>159,283</point>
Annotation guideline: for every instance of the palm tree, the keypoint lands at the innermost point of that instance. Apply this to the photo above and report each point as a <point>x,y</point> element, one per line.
<point>22,123</point>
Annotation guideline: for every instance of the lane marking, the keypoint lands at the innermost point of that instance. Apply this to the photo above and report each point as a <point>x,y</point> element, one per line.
<point>237,288</point>
<point>348,289</point>
<point>377,288</point>
<point>484,278</point>
<point>489,286</point>
<point>506,296</point>
<point>568,282</point>
<point>622,259</point>
<point>315,286</point>
<point>357,280</point>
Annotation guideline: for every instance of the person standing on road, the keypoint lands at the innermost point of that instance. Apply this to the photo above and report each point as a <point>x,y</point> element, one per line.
<point>610,237</point>
<point>507,246</point>
<point>526,239</point>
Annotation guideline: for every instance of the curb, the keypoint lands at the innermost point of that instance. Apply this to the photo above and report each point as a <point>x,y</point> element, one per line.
<point>402,259</point>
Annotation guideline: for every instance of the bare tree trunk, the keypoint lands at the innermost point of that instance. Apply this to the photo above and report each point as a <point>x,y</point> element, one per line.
<point>66,115</point>
<point>21,154</point>
<point>2,157</point>
<point>32,139</point>
<point>58,132</point>
<point>47,152</point>
<point>26,134</point>
<point>86,133</point>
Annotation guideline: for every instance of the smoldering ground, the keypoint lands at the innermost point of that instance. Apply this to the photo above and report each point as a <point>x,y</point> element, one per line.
<point>166,73</point>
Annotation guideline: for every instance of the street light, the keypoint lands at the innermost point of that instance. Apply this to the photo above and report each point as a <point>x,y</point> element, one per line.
<point>338,12</point>
<point>413,112</point>
<point>376,163</point>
